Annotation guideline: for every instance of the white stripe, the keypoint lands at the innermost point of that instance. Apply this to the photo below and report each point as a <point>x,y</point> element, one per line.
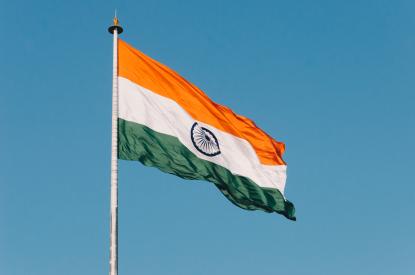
<point>164,115</point>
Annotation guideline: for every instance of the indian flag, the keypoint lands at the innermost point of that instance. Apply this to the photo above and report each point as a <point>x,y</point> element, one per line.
<point>166,122</point>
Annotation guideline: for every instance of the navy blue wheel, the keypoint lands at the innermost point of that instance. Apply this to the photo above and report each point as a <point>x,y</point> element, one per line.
<point>204,140</point>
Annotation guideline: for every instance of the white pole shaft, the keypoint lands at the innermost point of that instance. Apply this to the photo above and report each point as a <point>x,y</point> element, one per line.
<point>114,163</point>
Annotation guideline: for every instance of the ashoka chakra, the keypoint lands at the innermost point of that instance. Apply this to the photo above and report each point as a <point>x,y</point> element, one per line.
<point>204,140</point>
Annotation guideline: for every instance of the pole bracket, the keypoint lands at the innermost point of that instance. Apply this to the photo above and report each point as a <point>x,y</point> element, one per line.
<point>112,28</point>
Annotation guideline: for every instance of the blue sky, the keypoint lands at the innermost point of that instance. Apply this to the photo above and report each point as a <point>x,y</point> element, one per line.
<point>334,80</point>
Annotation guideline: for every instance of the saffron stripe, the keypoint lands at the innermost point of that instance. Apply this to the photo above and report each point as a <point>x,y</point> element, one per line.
<point>160,79</point>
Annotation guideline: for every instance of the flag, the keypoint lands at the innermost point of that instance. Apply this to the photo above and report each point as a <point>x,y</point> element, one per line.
<point>166,122</point>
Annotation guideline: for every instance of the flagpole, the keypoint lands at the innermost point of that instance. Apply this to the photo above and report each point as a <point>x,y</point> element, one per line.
<point>115,30</point>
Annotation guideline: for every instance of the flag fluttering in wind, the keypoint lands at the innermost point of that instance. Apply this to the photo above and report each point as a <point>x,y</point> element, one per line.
<point>166,122</point>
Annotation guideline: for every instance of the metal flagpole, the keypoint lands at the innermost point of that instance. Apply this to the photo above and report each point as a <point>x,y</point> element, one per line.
<point>115,30</point>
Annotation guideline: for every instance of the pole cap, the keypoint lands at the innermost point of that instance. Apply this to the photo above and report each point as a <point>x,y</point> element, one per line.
<point>116,26</point>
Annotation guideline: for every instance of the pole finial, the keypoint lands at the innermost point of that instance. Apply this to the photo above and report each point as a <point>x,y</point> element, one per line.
<point>116,25</point>
<point>115,18</point>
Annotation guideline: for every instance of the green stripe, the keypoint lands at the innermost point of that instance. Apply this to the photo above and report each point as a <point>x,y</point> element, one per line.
<point>167,153</point>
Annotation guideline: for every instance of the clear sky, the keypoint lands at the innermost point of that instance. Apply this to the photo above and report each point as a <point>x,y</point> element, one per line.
<point>334,80</point>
